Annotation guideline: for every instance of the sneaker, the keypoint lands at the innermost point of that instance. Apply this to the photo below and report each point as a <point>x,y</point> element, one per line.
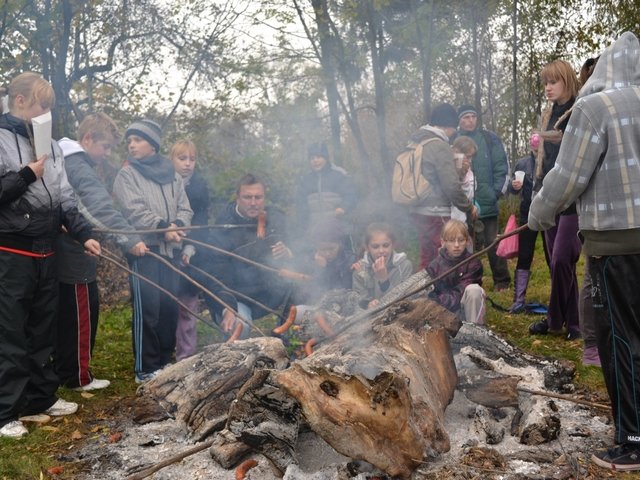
<point>623,458</point>
<point>541,327</point>
<point>61,407</point>
<point>145,377</point>
<point>13,429</point>
<point>590,356</point>
<point>96,384</point>
<point>573,336</point>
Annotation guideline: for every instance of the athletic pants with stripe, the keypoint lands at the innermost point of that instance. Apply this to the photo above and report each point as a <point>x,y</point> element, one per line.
<point>79,307</point>
<point>155,314</point>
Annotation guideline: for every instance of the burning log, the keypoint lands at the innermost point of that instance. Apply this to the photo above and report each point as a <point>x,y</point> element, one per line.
<point>379,391</point>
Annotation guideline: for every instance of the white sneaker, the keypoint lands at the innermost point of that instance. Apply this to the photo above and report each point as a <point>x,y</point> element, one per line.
<point>13,429</point>
<point>145,377</point>
<point>62,407</point>
<point>96,384</point>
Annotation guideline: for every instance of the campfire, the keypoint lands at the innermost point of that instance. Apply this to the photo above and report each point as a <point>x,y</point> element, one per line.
<point>406,393</point>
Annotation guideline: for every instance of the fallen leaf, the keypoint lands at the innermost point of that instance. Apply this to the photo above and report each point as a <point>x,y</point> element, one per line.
<point>49,428</point>
<point>115,437</point>
<point>87,395</point>
<point>76,435</point>
<point>55,470</point>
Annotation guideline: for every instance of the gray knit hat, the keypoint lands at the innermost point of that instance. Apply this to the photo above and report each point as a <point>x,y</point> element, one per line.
<point>464,109</point>
<point>147,129</point>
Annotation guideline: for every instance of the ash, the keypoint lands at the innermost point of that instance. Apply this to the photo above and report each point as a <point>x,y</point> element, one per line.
<point>495,429</point>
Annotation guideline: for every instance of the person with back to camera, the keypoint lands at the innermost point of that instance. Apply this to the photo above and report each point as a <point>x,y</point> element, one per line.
<point>563,244</point>
<point>445,189</point>
<point>491,170</point>
<point>35,201</point>
<point>461,291</point>
<point>151,195</point>
<point>527,238</point>
<point>381,268</point>
<point>79,306</point>
<point>598,169</point>
<point>183,155</point>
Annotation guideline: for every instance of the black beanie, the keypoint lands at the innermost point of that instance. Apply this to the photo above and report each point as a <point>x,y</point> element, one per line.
<point>147,129</point>
<point>318,149</point>
<point>464,109</point>
<point>444,115</point>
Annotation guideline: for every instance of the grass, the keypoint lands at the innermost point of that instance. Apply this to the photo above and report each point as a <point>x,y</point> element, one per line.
<point>46,446</point>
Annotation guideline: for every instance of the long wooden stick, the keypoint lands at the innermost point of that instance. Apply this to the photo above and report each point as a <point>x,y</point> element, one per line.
<point>111,258</point>
<point>368,313</point>
<point>169,265</point>
<point>226,226</point>
<point>281,272</point>
<point>568,398</point>
<point>234,292</point>
<point>147,472</point>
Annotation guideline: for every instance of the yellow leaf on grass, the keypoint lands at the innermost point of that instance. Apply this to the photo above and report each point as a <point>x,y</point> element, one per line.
<point>87,395</point>
<point>49,428</point>
<point>76,435</point>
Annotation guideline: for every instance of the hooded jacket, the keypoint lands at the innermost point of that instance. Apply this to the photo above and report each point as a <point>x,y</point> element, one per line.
<point>152,198</point>
<point>438,167</point>
<point>32,209</point>
<point>96,204</point>
<point>320,193</point>
<point>599,160</point>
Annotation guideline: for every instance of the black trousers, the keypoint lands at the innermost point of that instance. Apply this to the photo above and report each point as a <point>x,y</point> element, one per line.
<point>155,314</point>
<point>616,305</point>
<point>79,307</point>
<point>28,306</point>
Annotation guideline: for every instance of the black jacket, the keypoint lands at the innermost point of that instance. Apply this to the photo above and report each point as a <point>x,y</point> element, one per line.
<point>264,286</point>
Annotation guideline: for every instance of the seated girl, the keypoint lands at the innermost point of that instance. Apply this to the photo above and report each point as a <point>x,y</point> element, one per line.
<point>381,268</point>
<point>460,291</point>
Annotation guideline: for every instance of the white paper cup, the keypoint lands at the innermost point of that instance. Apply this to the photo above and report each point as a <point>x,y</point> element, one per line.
<point>519,176</point>
<point>459,157</point>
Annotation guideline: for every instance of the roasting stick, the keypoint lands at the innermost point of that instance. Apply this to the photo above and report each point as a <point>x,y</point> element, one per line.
<point>226,226</point>
<point>568,398</point>
<point>358,318</point>
<point>237,330</point>
<point>110,257</point>
<point>283,272</point>
<point>234,292</point>
<point>147,472</point>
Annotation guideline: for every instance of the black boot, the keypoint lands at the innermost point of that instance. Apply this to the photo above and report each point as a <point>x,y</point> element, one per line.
<point>521,281</point>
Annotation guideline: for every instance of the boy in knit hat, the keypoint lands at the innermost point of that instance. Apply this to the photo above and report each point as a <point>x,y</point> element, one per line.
<point>152,196</point>
<point>491,170</point>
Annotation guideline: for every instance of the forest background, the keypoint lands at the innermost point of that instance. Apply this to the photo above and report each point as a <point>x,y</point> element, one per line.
<point>253,82</point>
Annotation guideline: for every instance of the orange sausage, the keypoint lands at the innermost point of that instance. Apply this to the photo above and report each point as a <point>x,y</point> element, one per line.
<point>236,333</point>
<point>308,347</point>
<point>293,311</point>
<point>261,230</point>
<point>322,323</point>
<point>244,467</point>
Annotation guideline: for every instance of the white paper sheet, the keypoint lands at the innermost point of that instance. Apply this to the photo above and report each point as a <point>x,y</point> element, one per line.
<point>42,134</point>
